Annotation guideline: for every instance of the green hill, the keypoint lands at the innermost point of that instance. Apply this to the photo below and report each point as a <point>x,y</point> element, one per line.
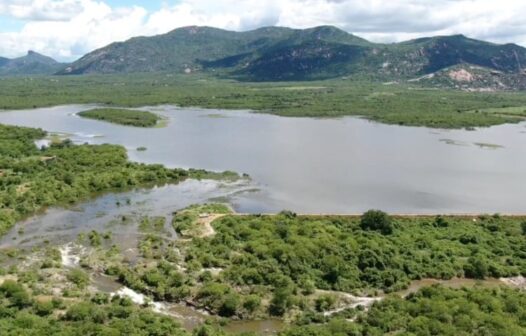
<point>277,53</point>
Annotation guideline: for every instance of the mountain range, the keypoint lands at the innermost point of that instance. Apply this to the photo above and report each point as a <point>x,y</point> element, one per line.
<point>282,54</point>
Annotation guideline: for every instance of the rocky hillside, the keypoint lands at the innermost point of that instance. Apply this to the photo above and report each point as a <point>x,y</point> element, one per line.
<point>275,53</point>
<point>31,64</point>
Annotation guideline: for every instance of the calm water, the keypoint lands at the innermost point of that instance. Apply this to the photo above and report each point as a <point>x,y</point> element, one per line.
<point>345,165</point>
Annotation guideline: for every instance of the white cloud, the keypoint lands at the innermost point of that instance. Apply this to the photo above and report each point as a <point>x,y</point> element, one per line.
<point>67,29</point>
<point>40,10</point>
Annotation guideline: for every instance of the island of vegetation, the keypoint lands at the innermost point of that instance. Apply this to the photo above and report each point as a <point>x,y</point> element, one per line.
<point>122,116</point>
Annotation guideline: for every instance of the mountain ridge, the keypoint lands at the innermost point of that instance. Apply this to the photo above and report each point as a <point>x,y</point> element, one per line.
<point>284,54</point>
<point>32,63</point>
<point>323,52</point>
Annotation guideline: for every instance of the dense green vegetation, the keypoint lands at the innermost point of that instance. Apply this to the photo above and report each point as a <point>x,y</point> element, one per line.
<point>337,253</point>
<point>122,116</point>
<point>23,314</point>
<point>255,266</point>
<point>32,178</point>
<point>433,311</point>
<point>395,104</point>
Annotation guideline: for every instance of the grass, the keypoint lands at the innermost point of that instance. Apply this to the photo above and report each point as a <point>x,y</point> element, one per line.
<point>401,104</point>
<point>122,117</point>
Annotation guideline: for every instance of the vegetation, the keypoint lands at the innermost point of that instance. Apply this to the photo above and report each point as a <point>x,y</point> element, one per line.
<point>184,221</point>
<point>122,116</point>
<point>32,178</point>
<point>284,265</point>
<point>433,310</point>
<point>336,253</point>
<point>255,266</point>
<point>401,104</point>
<point>23,314</point>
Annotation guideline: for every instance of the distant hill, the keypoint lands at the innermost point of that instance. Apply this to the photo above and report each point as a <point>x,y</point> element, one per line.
<point>276,53</point>
<point>31,64</point>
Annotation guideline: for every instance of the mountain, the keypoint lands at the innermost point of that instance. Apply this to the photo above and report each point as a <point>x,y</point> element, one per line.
<point>31,64</point>
<point>278,53</point>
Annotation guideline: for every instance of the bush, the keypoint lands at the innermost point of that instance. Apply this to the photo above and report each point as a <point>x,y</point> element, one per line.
<point>16,293</point>
<point>78,277</point>
<point>476,267</point>
<point>376,220</point>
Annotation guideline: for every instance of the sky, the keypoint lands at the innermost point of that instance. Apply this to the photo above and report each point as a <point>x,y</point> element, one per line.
<point>68,29</point>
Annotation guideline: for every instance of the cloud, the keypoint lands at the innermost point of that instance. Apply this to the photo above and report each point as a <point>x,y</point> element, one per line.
<point>67,29</point>
<point>40,10</point>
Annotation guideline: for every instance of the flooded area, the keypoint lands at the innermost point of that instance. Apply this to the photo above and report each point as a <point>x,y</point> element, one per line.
<point>118,213</point>
<point>345,165</point>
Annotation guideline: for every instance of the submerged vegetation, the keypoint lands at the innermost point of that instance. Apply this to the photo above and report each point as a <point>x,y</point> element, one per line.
<point>122,116</point>
<point>403,104</point>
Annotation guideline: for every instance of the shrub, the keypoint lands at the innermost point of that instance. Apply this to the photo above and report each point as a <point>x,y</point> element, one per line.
<point>376,220</point>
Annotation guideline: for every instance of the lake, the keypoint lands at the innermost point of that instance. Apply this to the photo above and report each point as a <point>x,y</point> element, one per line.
<point>345,165</point>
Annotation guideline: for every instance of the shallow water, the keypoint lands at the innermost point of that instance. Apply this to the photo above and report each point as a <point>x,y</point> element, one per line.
<point>59,226</point>
<point>344,165</point>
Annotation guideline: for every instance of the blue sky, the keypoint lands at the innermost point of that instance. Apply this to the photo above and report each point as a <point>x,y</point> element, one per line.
<point>67,29</point>
<point>150,5</point>
<point>8,23</point>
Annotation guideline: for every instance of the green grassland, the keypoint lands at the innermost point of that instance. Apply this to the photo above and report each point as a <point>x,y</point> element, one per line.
<point>122,116</point>
<point>401,104</point>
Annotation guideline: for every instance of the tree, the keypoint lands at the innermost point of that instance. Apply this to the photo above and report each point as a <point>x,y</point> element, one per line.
<point>280,302</point>
<point>229,306</point>
<point>252,303</point>
<point>376,220</point>
<point>476,267</point>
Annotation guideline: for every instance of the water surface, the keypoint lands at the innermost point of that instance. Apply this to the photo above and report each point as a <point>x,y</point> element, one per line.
<point>345,165</point>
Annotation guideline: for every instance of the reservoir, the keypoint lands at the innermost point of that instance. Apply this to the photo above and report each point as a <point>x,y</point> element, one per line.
<point>345,165</point>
